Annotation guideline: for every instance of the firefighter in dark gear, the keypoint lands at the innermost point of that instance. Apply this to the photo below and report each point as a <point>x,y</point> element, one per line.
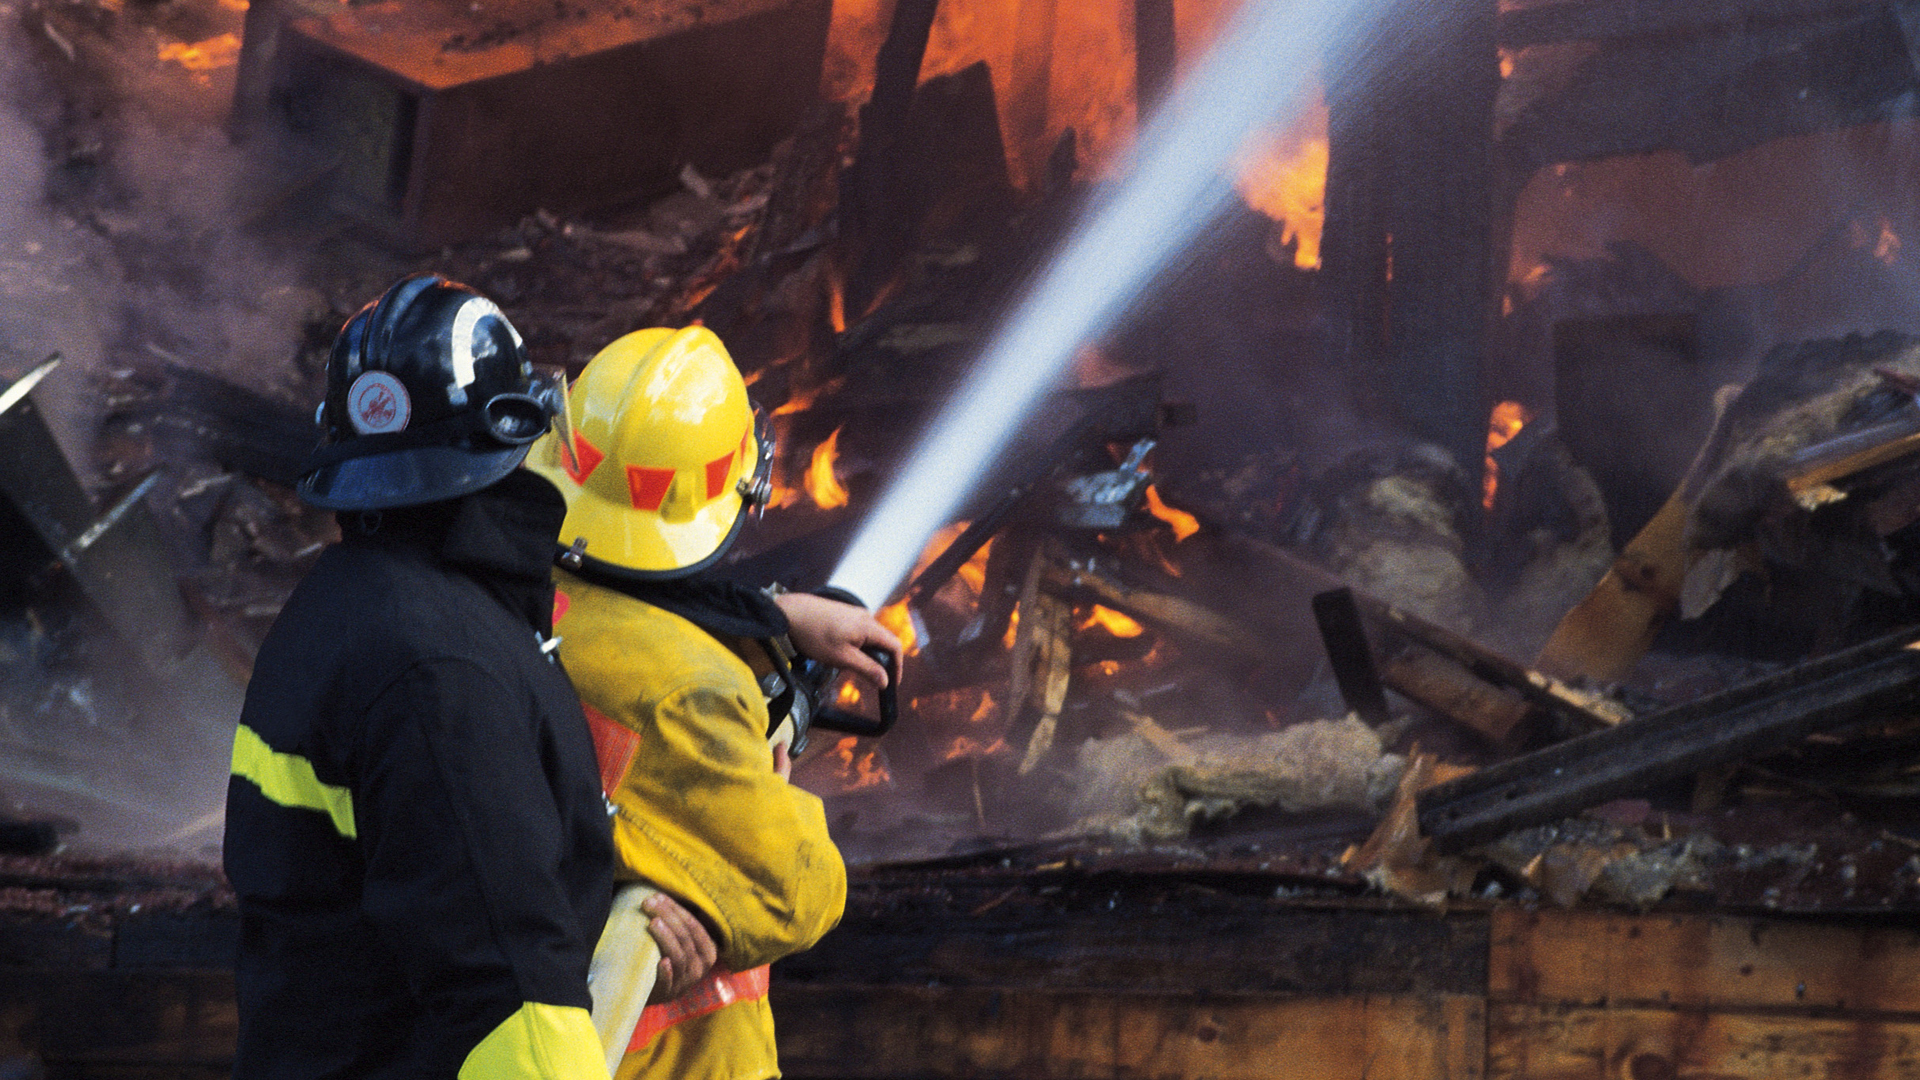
<point>415,827</point>
<point>666,461</point>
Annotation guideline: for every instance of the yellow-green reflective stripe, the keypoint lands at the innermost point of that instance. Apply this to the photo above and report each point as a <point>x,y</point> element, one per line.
<point>288,780</point>
<point>539,1042</point>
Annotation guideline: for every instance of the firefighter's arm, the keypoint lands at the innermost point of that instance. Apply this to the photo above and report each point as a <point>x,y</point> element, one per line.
<point>465,878</point>
<point>835,633</point>
<point>704,817</point>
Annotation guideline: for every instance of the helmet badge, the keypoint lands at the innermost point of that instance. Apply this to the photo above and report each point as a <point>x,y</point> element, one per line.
<point>377,403</point>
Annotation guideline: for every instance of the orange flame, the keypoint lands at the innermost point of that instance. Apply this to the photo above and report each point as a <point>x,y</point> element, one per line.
<point>822,485</point>
<point>836,300</point>
<point>1506,420</point>
<point>1287,181</point>
<point>858,770</point>
<point>1113,622</point>
<point>966,747</point>
<point>1880,237</point>
<point>895,618</point>
<point>222,50</point>
<point>1184,524</point>
<point>848,696</point>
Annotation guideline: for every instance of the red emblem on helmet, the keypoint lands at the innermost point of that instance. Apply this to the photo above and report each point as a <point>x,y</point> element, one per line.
<point>376,403</point>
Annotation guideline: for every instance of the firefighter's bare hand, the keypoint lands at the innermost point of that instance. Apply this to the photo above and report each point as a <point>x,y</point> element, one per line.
<point>783,760</point>
<point>687,951</point>
<point>834,633</point>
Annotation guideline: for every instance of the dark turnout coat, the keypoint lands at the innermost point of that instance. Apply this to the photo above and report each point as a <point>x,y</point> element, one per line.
<point>415,826</point>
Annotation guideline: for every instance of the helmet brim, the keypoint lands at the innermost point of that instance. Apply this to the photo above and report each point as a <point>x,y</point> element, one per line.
<point>654,547</point>
<point>411,477</point>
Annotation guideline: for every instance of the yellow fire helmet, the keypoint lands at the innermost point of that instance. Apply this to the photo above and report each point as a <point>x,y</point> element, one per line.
<point>668,455</point>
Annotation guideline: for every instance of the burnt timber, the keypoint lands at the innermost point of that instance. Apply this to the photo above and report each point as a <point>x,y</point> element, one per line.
<point>1094,966</point>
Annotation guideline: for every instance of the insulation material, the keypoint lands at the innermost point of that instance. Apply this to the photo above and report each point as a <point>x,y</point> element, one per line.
<point>1132,793</point>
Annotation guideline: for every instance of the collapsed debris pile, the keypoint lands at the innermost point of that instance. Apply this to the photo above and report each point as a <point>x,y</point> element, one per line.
<point>1135,640</point>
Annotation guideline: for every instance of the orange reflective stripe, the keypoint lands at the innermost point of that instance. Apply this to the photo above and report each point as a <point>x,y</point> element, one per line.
<point>717,470</point>
<point>647,488</point>
<point>716,992</point>
<point>613,746</point>
<point>586,458</point>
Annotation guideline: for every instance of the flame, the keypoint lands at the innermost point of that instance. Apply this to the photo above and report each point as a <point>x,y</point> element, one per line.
<point>1506,420</point>
<point>836,299</point>
<point>1184,524</point>
<point>895,618</point>
<point>966,747</point>
<point>1287,181</point>
<point>822,485</point>
<point>1013,627</point>
<point>858,770</point>
<point>1880,237</point>
<point>219,51</point>
<point>983,710</point>
<point>1113,622</point>
<point>848,696</point>
<point>1079,77</point>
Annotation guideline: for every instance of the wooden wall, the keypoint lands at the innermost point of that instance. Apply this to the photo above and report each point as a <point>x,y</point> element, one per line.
<point>1142,979</point>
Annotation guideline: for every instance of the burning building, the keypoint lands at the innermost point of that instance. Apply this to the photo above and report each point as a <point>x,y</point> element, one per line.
<point>1448,615</point>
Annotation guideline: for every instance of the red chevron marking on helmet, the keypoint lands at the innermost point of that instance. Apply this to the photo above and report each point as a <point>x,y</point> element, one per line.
<point>561,602</point>
<point>648,487</point>
<point>717,475</point>
<point>586,458</point>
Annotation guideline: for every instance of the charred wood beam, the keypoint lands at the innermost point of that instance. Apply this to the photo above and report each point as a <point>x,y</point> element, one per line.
<point>1408,257</point>
<point>1351,655</point>
<point>1154,53</point>
<point>118,559</point>
<point>1550,24</point>
<point>1454,692</point>
<point>883,119</point>
<point>1875,678</point>
<point>201,414</point>
<point>1584,712</point>
<point>1716,93</point>
<point>1174,613</point>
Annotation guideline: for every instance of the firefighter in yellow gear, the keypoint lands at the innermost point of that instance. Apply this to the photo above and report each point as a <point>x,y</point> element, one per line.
<point>663,462</point>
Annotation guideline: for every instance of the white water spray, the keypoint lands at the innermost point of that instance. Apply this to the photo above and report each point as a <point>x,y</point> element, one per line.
<point>1178,183</point>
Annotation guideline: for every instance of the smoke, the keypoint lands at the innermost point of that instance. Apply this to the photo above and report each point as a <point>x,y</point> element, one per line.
<point>1177,183</point>
<point>122,242</point>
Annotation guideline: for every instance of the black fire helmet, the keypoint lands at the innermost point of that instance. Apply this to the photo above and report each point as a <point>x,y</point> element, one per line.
<point>430,396</point>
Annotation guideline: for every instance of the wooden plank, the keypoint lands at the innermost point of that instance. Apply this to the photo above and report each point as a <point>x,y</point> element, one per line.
<point>1701,961</point>
<point>1532,1042</point>
<point>77,1020</point>
<point>1118,939</point>
<point>851,1031</point>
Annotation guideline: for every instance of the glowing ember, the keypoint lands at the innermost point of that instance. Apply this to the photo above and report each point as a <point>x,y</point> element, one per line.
<point>1288,183</point>
<point>215,52</point>
<point>822,485</point>
<point>965,747</point>
<point>1880,237</point>
<point>1113,622</point>
<point>836,300</point>
<point>983,710</point>
<point>1184,524</point>
<point>1506,420</point>
<point>855,769</point>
